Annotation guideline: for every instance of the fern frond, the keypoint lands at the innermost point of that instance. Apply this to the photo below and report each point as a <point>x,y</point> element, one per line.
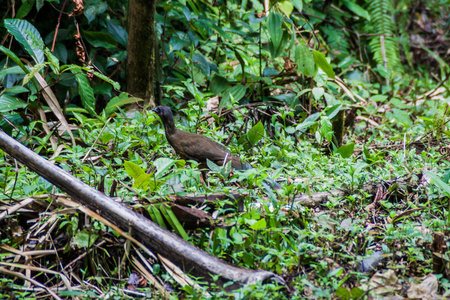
<point>336,39</point>
<point>384,45</point>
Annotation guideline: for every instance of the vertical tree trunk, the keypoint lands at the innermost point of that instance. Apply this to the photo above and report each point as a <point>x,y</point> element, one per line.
<point>141,49</point>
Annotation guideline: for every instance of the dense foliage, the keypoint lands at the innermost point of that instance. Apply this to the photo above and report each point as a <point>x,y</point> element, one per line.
<point>320,95</point>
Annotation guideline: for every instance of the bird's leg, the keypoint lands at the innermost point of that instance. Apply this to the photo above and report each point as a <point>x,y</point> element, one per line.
<point>203,176</point>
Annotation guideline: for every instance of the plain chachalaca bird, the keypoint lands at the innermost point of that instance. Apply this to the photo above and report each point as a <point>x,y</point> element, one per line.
<point>191,146</point>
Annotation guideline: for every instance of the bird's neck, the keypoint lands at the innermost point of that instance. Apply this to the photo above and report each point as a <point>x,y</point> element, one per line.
<point>169,126</point>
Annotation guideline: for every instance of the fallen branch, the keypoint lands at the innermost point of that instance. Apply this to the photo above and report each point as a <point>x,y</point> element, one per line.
<point>189,258</point>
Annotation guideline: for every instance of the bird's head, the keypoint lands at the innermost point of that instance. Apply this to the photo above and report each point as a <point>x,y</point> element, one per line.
<point>163,112</point>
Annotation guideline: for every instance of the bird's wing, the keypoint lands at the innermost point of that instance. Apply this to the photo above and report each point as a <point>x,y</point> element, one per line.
<point>198,147</point>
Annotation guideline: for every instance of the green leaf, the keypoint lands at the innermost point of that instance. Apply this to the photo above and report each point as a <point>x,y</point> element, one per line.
<point>100,39</point>
<point>233,94</point>
<point>25,9</point>
<point>357,9</point>
<point>439,183</point>
<point>162,165</point>
<point>298,4</point>
<point>133,170</point>
<point>318,93</point>
<point>261,224</point>
<point>334,110</point>
<point>256,133</point>
<point>23,32</point>
<point>94,8</point>
<point>346,150</point>
<point>275,30</point>
<point>53,61</point>
<point>115,84</point>
<point>11,70</point>
<point>156,216</point>
<point>173,221</point>
<point>84,239</point>
<point>85,90</point>
<point>16,89</point>
<point>308,122</point>
<point>142,181</point>
<point>326,128</point>
<point>286,6</point>
<point>36,68</point>
<point>356,293</point>
<point>322,63</point>
<point>342,293</point>
<point>219,84</point>
<point>107,137</point>
<point>304,59</point>
<point>402,117</point>
<point>118,32</point>
<point>120,101</point>
<point>9,103</point>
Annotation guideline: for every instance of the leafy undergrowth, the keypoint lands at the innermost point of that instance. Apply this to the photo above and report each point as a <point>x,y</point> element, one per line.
<point>381,241</point>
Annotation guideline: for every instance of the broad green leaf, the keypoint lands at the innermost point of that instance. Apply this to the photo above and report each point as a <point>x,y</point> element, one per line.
<point>25,9</point>
<point>118,32</point>
<point>60,52</point>
<point>357,9</point>
<point>346,150</point>
<point>260,224</point>
<point>142,181</point>
<point>402,117</point>
<point>84,239</point>
<point>155,184</point>
<point>304,59</point>
<point>286,6</point>
<point>298,4</point>
<point>107,137</point>
<point>120,101</point>
<point>201,62</point>
<point>357,293</point>
<point>9,103</point>
<point>256,133</point>
<point>85,91</point>
<point>322,63</point>
<point>333,111</point>
<point>100,39</point>
<point>213,167</point>
<point>11,70</point>
<point>276,51</point>
<point>162,165</point>
<point>326,128</point>
<point>274,25</point>
<point>17,89</point>
<point>318,93</point>
<point>39,4</point>
<point>308,122</point>
<point>23,32</point>
<point>219,84</point>
<point>232,94</point>
<point>439,183</point>
<point>94,8</point>
<point>133,170</point>
<point>342,293</point>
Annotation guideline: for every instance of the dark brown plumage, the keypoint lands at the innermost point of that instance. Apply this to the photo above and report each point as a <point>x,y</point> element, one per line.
<point>191,146</point>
